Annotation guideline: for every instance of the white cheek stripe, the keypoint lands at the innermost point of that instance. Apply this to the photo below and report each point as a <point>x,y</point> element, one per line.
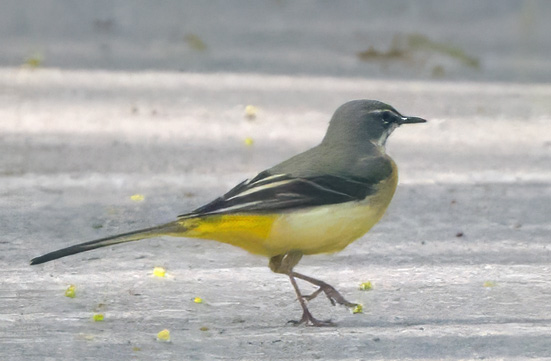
<point>381,141</point>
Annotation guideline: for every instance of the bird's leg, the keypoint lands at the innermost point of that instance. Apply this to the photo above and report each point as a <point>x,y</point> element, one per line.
<point>307,317</point>
<point>284,264</point>
<point>332,294</point>
<point>315,294</point>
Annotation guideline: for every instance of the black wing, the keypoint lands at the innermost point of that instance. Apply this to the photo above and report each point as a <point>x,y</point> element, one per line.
<point>267,193</point>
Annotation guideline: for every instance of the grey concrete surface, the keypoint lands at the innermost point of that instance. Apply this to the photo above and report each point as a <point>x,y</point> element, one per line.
<point>496,40</point>
<point>460,264</point>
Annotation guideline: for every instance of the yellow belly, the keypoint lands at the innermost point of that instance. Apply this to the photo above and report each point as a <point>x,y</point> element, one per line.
<point>323,229</point>
<point>313,230</point>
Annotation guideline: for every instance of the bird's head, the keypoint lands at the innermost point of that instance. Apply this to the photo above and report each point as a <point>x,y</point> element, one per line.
<point>361,120</point>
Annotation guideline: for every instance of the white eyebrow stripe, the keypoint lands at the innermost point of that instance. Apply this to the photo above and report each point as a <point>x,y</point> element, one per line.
<point>388,110</point>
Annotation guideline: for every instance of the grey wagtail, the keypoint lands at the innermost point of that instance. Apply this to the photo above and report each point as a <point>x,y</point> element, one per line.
<point>318,201</point>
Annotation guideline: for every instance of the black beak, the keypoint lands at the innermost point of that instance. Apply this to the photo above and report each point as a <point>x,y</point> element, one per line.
<point>412,120</point>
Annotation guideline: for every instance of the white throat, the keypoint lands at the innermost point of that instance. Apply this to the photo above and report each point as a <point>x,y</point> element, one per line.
<point>382,140</point>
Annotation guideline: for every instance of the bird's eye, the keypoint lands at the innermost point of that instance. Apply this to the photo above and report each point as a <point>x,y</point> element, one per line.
<point>387,117</point>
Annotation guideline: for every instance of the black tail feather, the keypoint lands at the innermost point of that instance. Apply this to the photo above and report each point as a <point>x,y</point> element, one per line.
<point>165,229</point>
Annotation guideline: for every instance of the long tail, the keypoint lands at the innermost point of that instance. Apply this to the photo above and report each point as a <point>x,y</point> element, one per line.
<point>164,229</point>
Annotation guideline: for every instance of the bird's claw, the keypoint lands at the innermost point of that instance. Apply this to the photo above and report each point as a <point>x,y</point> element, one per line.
<point>309,320</point>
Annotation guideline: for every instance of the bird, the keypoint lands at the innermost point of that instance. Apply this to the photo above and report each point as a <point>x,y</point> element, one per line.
<point>318,201</point>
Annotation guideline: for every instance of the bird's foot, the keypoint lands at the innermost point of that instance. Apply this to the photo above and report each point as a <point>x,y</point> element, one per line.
<point>309,320</point>
<point>332,294</point>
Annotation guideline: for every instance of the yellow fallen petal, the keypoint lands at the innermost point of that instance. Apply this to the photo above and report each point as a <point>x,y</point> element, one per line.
<point>198,300</point>
<point>98,317</point>
<point>250,111</point>
<point>159,272</point>
<point>164,336</point>
<point>34,61</point>
<point>137,197</point>
<point>249,141</point>
<point>366,286</point>
<point>195,42</point>
<point>489,284</point>
<point>358,309</point>
<point>70,291</point>
<point>204,328</point>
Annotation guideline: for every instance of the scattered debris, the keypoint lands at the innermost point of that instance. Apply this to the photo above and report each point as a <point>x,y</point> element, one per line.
<point>163,336</point>
<point>422,42</point>
<point>414,48</point>
<point>366,286</point>
<point>70,291</point>
<point>250,112</point>
<point>393,53</point>
<point>195,42</point>
<point>249,141</point>
<point>137,197</point>
<point>34,61</point>
<point>159,272</point>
